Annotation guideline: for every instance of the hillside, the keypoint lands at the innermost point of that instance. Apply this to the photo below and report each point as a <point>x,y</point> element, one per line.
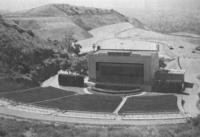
<point>170,20</point>
<point>54,21</point>
<point>128,32</point>
<point>4,12</point>
<point>17,44</point>
<point>25,59</point>
<point>19,37</point>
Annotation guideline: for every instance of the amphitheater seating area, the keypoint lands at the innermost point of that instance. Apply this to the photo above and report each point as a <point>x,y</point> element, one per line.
<point>36,94</point>
<point>150,104</point>
<point>92,103</point>
<point>68,102</point>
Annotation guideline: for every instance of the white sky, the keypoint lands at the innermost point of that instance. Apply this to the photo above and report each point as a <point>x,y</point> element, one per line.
<point>14,5</point>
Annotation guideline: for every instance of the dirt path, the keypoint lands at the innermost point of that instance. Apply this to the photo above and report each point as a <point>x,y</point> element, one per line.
<point>120,105</point>
<point>53,81</point>
<point>192,69</point>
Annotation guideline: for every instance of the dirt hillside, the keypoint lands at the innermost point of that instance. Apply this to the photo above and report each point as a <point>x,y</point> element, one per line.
<point>54,21</point>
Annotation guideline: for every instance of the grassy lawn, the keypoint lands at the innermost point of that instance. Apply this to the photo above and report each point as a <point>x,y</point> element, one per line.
<point>150,104</point>
<point>8,85</point>
<point>36,94</point>
<point>92,103</point>
<point>19,128</point>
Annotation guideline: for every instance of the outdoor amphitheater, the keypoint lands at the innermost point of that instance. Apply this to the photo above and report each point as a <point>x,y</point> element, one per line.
<point>44,102</point>
<point>124,86</point>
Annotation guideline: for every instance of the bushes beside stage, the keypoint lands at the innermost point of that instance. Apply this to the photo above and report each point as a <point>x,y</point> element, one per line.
<point>71,80</point>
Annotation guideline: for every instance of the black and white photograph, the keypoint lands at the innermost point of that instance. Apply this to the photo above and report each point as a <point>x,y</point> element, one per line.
<point>99,68</point>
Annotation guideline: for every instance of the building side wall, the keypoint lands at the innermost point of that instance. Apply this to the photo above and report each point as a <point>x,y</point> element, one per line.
<point>154,64</point>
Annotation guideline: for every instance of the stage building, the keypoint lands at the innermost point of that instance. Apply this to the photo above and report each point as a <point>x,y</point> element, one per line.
<point>124,63</point>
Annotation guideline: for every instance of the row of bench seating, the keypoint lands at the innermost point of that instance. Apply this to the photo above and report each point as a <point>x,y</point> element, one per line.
<point>88,115</point>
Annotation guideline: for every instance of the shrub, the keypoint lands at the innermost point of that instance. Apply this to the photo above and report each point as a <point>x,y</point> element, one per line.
<point>91,133</point>
<point>185,134</point>
<point>181,47</point>
<point>162,63</point>
<point>125,133</point>
<point>2,133</point>
<point>30,32</point>
<point>80,65</point>
<point>165,133</point>
<point>47,68</point>
<point>195,122</point>
<point>198,48</point>
<point>71,80</point>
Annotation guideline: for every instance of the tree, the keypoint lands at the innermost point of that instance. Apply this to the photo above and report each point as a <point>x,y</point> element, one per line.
<point>162,63</point>
<point>70,44</point>
<point>80,65</point>
<point>76,48</point>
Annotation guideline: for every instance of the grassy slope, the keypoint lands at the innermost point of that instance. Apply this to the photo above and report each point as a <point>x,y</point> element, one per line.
<point>7,85</point>
<point>54,28</point>
<point>19,128</point>
<point>55,20</point>
<point>170,21</point>
<point>20,38</point>
<point>127,31</point>
<point>21,48</point>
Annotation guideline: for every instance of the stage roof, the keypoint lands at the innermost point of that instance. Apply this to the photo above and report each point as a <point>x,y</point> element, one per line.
<point>126,44</point>
<point>123,44</point>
